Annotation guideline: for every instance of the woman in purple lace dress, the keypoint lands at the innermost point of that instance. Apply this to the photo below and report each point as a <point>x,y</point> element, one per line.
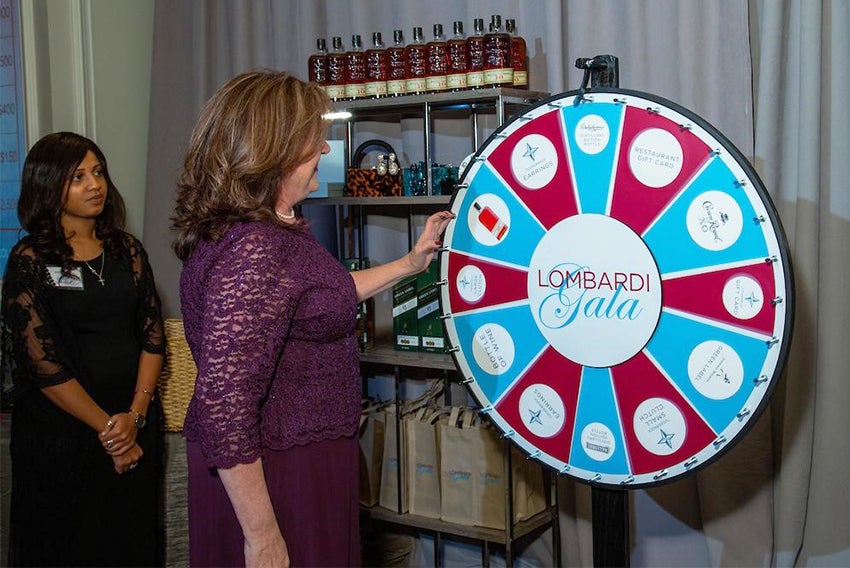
<point>270,319</point>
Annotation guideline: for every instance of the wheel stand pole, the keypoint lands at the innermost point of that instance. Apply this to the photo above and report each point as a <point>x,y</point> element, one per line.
<point>610,507</point>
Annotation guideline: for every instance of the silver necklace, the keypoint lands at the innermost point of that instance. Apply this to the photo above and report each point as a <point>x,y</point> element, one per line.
<point>99,275</point>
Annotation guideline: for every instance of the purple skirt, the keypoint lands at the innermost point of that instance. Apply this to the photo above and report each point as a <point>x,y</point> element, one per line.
<point>314,491</point>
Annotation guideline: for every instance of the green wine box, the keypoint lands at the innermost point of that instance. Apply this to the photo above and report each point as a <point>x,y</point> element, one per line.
<point>431,334</point>
<point>405,325</point>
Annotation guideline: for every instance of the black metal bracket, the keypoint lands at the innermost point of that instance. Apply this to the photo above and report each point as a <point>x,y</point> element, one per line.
<point>599,71</point>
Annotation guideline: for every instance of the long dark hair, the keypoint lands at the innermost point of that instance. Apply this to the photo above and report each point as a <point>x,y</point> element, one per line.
<point>46,172</point>
<point>253,132</point>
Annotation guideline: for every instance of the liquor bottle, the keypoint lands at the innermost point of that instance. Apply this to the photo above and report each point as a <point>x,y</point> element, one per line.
<point>376,68</point>
<point>335,86</point>
<point>519,58</point>
<point>355,69</point>
<point>436,60</point>
<point>475,49</point>
<point>415,64</point>
<point>458,59</point>
<point>498,69</point>
<point>317,63</point>
<point>396,73</point>
<point>491,221</point>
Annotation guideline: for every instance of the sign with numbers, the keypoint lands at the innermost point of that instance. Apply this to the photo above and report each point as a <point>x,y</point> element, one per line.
<point>12,127</point>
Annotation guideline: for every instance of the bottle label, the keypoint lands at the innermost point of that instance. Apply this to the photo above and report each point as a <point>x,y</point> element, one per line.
<point>475,79</point>
<point>355,90</point>
<point>456,81</point>
<point>416,85</point>
<point>396,86</point>
<point>499,76</point>
<point>376,88</point>
<point>491,221</point>
<point>520,78</point>
<point>335,91</point>
<point>436,83</point>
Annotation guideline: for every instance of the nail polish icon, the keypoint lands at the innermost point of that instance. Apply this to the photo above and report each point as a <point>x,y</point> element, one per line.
<point>491,221</point>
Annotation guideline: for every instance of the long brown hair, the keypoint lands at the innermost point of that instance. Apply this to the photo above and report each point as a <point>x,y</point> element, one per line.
<point>252,133</point>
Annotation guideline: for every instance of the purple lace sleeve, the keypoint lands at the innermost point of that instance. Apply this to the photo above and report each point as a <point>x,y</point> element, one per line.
<point>245,310</point>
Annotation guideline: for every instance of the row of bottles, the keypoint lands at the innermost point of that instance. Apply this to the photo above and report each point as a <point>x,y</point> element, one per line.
<point>493,59</point>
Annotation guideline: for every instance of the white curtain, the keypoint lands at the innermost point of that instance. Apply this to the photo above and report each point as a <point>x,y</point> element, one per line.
<point>766,73</point>
<point>802,146</point>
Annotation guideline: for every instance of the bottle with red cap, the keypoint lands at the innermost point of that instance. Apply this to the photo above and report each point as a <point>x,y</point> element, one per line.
<point>437,58</point>
<point>376,68</point>
<point>519,57</point>
<point>355,69</point>
<point>458,59</point>
<point>396,73</point>
<point>475,50</point>
<point>416,66</point>
<point>335,86</point>
<point>317,63</point>
<point>498,68</point>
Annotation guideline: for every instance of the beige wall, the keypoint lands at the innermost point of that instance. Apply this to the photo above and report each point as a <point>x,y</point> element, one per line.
<point>87,69</point>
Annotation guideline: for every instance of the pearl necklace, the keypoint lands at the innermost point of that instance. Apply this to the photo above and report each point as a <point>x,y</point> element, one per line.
<point>285,216</point>
<point>99,275</point>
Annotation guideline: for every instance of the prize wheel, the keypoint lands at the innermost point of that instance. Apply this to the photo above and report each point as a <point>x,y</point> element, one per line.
<point>617,287</point>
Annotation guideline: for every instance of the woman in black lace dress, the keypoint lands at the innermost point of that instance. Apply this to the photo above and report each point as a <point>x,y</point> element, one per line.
<point>83,340</point>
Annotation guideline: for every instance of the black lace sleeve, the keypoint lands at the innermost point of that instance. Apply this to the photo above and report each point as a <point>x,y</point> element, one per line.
<point>31,353</point>
<point>150,328</point>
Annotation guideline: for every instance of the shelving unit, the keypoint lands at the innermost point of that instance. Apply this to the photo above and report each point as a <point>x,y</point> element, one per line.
<point>471,103</point>
<point>467,104</point>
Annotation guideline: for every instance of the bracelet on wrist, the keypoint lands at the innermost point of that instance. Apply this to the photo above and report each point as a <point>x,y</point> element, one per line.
<point>147,392</point>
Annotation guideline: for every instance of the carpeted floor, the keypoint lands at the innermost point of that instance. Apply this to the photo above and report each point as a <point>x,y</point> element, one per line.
<point>177,539</point>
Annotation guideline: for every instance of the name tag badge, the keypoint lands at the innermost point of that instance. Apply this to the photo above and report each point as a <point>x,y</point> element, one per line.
<point>72,281</point>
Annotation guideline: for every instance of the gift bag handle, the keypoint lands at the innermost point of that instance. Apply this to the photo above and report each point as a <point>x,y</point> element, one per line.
<point>368,146</point>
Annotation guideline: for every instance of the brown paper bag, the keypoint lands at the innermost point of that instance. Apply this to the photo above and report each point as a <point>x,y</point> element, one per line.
<point>529,493</point>
<point>491,476</point>
<point>393,469</point>
<point>371,453</point>
<point>458,501</point>
<point>424,466</point>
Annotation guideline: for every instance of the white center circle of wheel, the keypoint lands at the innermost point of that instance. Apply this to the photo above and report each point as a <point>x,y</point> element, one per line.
<point>594,290</point>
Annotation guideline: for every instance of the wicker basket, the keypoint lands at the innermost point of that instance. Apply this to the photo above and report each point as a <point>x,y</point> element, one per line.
<point>178,376</point>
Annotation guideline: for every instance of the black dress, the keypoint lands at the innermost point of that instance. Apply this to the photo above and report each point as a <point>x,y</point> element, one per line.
<point>68,505</point>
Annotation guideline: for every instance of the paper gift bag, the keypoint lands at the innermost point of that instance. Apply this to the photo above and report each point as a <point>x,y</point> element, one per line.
<point>393,469</point>
<point>526,481</point>
<point>424,466</point>
<point>490,476</point>
<point>371,453</point>
<point>529,493</point>
<point>458,501</point>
